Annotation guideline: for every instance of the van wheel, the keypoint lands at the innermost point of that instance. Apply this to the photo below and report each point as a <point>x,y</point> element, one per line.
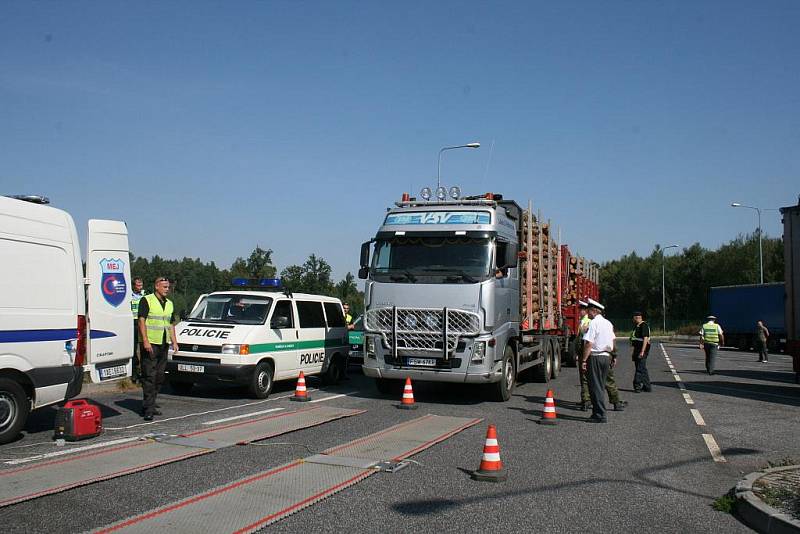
<point>261,383</point>
<point>501,391</point>
<point>14,409</point>
<point>556,352</point>
<point>181,388</point>
<point>335,371</point>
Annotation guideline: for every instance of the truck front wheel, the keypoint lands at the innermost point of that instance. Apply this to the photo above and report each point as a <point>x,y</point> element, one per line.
<point>501,391</point>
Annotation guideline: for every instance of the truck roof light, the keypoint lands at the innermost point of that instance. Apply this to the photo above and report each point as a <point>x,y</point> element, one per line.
<point>489,196</point>
<point>455,192</point>
<point>425,193</point>
<point>441,193</point>
<point>406,197</point>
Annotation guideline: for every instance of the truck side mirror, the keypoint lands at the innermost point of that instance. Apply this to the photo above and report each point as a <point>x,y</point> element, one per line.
<point>512,252</point>
<point>363,273</point>
<point>365,254</point>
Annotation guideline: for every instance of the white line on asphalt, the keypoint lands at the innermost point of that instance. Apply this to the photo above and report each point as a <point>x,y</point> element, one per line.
<point>677,376</point>
<point>201,413</point>
<point>713,448</point>
<point>71,451</point>
<point>697,417</point>
<point>687,398</point>
<point>243,416</point>
<point>331,397</point>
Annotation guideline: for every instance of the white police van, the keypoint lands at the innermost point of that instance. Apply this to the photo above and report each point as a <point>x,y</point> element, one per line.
<point>54,323</point>
<point>256,337</point>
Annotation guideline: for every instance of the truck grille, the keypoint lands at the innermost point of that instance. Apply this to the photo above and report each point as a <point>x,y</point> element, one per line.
<point>422,329</point>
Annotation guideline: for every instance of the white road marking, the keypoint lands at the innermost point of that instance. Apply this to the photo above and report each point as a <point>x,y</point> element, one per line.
<point>713,448</point>
<point>331,397</point>
<point>201,413</point>
<point>243,416</point>
<point>697,417</point>
<point>71,451</point>
<point>688,398</point>
<point>677,377</point>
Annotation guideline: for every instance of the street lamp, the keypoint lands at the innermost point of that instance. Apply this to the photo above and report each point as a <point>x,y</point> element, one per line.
<point>760,251</point>
<point>439,165</point>
<point>663,286</point>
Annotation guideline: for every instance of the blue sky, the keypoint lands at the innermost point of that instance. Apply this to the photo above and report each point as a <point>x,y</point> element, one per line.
<point>210,127</point>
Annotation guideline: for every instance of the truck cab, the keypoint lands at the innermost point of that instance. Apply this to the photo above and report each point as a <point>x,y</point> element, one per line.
<point>442,293</point>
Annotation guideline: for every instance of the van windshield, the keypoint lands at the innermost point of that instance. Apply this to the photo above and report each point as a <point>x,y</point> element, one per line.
<point>445,259</point>
<point>237,309</point>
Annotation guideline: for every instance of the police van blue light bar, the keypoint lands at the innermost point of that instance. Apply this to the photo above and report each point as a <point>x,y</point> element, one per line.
<point>268,283</point>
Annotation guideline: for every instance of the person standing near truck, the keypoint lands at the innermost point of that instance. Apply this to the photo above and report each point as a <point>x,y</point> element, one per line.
<point>762,335</point>
<point>137,294</point>
<point>640,340</point>
<point>711,337</point>
<point>611,383</point>
<point>597,349</point>
<point>157,332</point>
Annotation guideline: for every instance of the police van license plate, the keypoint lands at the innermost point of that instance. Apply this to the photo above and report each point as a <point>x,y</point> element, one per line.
<point>424,362</point>
<point>191,368</point>
<point>113,372</point>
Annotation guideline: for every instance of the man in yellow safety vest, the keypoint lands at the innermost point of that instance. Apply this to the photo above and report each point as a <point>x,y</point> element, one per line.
<point>711,337</point>
<point>157,332</point>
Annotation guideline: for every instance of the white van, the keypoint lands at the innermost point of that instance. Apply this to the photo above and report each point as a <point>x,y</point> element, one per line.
<point>54,323</point>
<point>254,338</point>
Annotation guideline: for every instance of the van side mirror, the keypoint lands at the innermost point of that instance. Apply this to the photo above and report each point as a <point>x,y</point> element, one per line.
<point>363,273</point>
<point>281,321</point>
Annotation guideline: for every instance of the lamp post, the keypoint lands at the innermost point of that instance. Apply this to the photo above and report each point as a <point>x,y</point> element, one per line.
<point>760,251</point>
<point>439,165</point>
<point>663,286</point>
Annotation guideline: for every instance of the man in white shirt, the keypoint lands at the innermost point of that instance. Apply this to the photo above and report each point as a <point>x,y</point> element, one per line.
<point>599,343</point>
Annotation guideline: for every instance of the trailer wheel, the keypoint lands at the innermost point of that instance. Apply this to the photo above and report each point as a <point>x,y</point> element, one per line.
<point>501,391</point>
<point>570,354</point>
<point>14,409</point>
<point>556,352</point>
<point>261,383</point>
<point>543,371</point>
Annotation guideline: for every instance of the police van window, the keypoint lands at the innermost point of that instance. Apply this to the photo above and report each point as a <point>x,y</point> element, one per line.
<point>310,314</point>
<point>237,309</point>
<point>283,316</point>
<point>333,311</point>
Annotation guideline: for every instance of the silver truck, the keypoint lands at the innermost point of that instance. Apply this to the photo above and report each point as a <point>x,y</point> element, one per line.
<point>465,290</point>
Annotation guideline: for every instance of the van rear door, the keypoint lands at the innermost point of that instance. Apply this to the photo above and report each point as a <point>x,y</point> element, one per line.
<point>108,274</point>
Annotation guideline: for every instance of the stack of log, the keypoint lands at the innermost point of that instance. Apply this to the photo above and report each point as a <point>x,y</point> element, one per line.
<point>579,267</point>
<point>541,258</point>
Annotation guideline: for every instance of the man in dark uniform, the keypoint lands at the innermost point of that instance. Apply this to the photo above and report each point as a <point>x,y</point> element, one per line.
<point>640,340</point>
<point>157,333</point>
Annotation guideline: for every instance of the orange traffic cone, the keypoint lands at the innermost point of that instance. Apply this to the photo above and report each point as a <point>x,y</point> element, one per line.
<point>408,397</point>
<point>491,468</point>
<point>300,393</point>
<point>549,414</point>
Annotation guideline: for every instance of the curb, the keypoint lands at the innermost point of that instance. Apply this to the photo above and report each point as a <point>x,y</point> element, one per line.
<point>759,515</point>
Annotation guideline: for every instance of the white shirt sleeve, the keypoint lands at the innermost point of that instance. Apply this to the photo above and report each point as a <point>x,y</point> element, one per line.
<point>591,333</point>
<point>719,329</point>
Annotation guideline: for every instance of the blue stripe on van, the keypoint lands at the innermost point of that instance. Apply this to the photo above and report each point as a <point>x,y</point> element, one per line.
<point>53,334</point>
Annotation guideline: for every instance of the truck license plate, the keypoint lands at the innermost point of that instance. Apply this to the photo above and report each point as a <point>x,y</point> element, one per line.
<point>191,368</point>
<point>113,372</point>
<point>424,362</point>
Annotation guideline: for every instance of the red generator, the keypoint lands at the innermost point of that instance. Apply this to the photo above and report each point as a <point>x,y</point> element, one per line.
<point>78,420</point>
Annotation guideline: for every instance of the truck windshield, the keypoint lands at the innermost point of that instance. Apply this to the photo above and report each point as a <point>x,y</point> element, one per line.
<point>445,259</point>
<point>237,309</point>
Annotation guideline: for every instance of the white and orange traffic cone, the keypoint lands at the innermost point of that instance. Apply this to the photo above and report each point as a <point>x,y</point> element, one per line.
<point>549,414</point>
<point>300,392</point>
<point>408,397</point>
<point>491,468</point>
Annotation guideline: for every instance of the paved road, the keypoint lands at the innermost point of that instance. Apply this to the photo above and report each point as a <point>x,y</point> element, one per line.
<point>648,469</point>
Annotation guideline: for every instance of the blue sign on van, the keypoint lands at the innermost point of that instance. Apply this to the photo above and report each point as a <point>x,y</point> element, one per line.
<point>112,284</point>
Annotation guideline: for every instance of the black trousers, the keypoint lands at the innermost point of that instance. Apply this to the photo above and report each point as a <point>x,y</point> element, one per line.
<point>599,365</point>
<point>641,377</point>
<point>154,366</point>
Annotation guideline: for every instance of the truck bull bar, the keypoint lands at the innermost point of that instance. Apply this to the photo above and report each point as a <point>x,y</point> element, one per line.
<point>421,329</point>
